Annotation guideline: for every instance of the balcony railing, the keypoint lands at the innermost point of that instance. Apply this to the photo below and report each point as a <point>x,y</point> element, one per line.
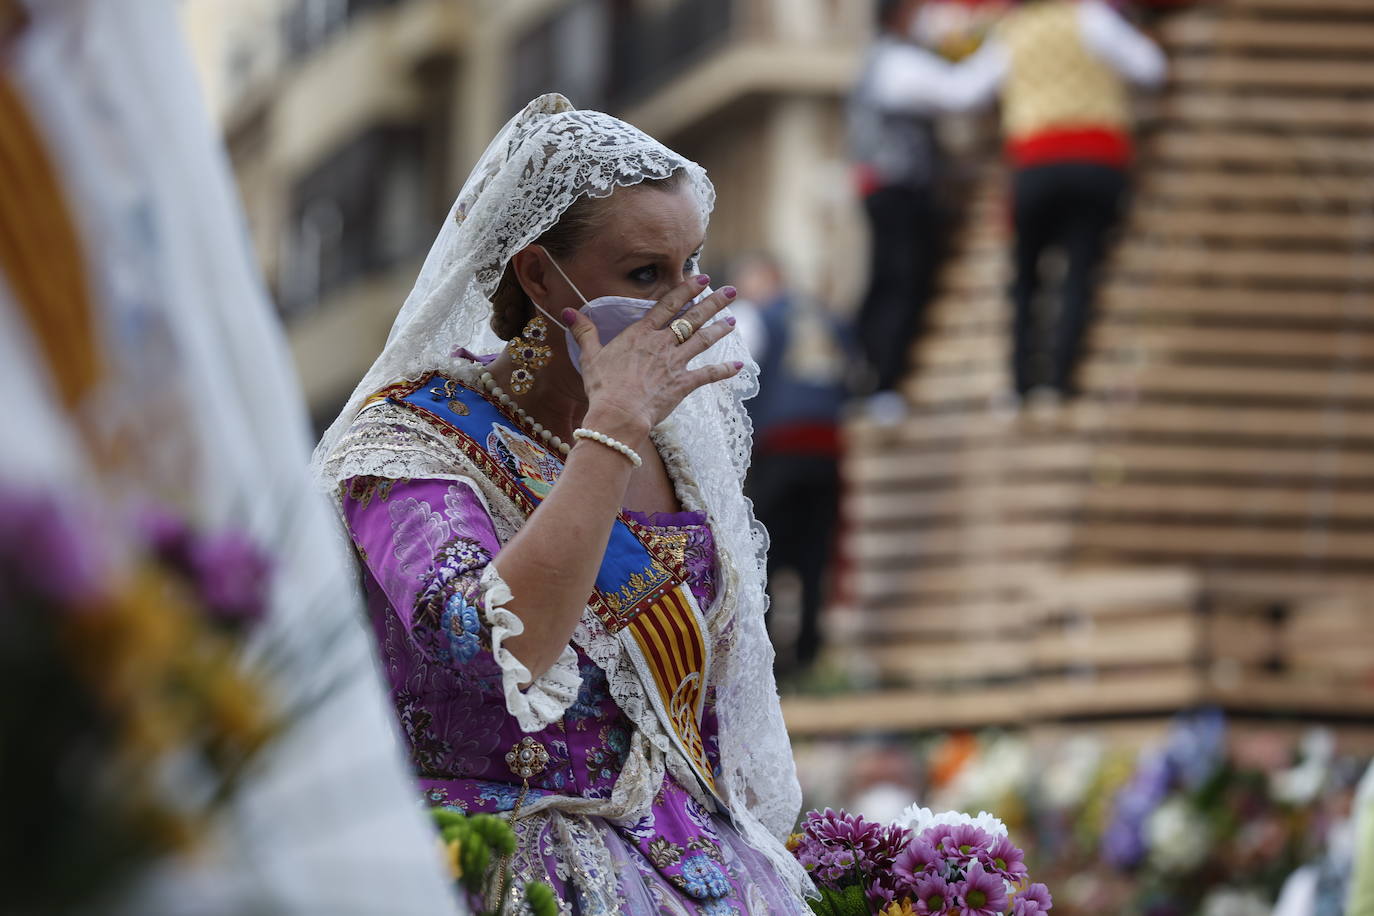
<point>652,47</point>
<point>309,24</point>
<point>611,53</point>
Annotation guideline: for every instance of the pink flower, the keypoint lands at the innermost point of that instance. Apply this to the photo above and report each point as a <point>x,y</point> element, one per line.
<point>1003,858</point>
<point>49,551</point>
<point>980,893</point>
<point>233,575</point>
<point>228,572</point>
<point>840,829</point>
<point>967,840</point>
<point>933,896</point>
<point>880,893</point>
<point>915,862</point>
<point>1035,900</point>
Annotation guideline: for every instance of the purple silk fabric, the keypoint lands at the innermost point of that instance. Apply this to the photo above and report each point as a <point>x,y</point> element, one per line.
<point>424,544</point>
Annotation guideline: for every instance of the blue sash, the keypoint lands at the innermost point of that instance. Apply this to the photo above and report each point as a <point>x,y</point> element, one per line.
<point>641,595</point>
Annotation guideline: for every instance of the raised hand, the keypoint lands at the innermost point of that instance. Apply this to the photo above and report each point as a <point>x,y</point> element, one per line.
<point>637,379</point>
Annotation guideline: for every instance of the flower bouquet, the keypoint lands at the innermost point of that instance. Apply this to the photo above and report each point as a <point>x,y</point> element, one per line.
<point>924,863</point>
<point>129,713</point>
<point>472,843</point>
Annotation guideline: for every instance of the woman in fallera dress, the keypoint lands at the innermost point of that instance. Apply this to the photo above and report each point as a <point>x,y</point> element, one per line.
<point>541,476</point>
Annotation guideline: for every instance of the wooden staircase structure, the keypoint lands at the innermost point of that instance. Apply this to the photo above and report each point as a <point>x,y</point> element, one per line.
<point>1199,526</point>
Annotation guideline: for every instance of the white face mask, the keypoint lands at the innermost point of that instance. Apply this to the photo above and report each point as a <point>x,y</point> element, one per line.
<point>610,314</point>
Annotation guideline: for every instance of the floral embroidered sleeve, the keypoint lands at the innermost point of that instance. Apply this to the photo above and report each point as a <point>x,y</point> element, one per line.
<point>428,545</point>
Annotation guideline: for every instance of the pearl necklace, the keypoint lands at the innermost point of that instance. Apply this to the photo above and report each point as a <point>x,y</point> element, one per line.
<point>547,436</point>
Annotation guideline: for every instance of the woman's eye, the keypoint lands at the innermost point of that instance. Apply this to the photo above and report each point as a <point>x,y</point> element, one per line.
<point>644,274</point>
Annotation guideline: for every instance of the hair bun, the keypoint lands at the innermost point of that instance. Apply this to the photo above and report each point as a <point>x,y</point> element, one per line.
<point>550,103</point>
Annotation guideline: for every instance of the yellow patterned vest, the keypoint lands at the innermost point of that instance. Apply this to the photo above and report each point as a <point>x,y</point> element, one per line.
<point>1054,81</point>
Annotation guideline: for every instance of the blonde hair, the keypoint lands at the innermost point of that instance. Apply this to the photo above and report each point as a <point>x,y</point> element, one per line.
<point>511,308</point>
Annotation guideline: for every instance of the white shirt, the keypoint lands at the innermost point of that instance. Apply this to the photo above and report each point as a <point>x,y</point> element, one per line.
<point>910,79</point>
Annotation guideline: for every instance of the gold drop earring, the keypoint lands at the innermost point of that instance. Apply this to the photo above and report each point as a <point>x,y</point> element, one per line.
<point>529,352</point>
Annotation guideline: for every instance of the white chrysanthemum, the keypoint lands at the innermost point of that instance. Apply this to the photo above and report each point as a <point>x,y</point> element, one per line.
<point>1231,902</point>
<point>1075,768</point>
<point>1178,836</point>
<point>919,819</point>
<point>1003,768</point>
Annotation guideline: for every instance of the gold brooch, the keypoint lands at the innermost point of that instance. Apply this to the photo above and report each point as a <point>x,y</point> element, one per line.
<point>527,758</point>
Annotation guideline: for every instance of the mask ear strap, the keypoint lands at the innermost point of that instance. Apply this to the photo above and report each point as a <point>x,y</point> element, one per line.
<point>563,275</point>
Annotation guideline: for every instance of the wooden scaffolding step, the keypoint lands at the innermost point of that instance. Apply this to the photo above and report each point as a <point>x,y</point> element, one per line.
<point>1311,75</point>
<point>1207,32</point>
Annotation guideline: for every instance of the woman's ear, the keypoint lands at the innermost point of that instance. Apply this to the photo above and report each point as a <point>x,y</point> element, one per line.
<point>532,273</point>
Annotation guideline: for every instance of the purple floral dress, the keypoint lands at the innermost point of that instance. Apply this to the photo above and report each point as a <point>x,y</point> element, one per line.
<point>426,545</point>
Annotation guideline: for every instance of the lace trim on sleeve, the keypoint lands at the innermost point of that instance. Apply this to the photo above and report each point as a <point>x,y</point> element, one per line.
<point>545,700</point>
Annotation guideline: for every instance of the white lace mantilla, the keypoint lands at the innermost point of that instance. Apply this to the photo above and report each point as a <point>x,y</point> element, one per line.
<point>543,160</point>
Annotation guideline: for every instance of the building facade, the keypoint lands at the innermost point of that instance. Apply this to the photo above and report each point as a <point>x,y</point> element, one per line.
<point>352,124</point>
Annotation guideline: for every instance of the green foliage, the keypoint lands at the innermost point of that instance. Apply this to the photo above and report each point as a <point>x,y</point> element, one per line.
<point>475,858</point>
<point>847,902</point>
<point>496,832</point>
<point>483,841</point>
<point>541,899</point>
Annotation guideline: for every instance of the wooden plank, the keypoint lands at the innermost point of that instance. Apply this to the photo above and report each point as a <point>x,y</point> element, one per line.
<point>1171,296</point>
<point>1176,636</point>
<point>1174,687</point>
<point>1121,587</point>
<point>1324,623</point>
<point>1155,343</point>
<point>1205,541</point>
<point>1333,229</point>
<point>980,464</point>
<point>1176,541</point>
<point>1114,462</point>
<point>972,579</point>
<point>1338,662</point>
<point>1307,8</point>
<point>1274,693</point>
<point>1278,585</point>
<point>1212,33</point>
<point>1003,580</point>
<point>936,431</point>
<point>1247,505</point>
<point>1258,189</point>
<point>903,710</point>
<point>1269,73</point>
<point>995,499</point>
<point>945,618</point>
<point>933,661</point>
<point>1126,500</point>
<point>1162,259</point>
<point>1021,538</point>
<point>980,382</point>
<point>1169,300</point>
<point>1337,383</point>
<point>1272,111</point>
<point>1264,150</point>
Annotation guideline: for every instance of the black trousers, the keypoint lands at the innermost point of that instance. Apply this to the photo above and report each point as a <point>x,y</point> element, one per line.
<point>797,498</point>
<point>1073,205</point>
<point>904,226</point>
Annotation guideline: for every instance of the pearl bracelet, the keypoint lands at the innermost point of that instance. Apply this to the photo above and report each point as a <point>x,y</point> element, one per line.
<point>621,447</point>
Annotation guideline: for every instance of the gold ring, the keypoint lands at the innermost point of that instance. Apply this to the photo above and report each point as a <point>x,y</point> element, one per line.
<point>682,329</point>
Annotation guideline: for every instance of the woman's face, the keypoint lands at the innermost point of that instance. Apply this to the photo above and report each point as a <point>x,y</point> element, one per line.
<point>649,241</point>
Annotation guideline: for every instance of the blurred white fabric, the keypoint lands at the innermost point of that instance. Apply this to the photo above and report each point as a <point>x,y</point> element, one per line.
<point>329,820</point>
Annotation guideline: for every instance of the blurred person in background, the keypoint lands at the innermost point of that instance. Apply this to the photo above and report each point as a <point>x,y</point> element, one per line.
<point>1062,68</point>
<point>794,479</point>
<point>565,579</point>
<point>897,166</point>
